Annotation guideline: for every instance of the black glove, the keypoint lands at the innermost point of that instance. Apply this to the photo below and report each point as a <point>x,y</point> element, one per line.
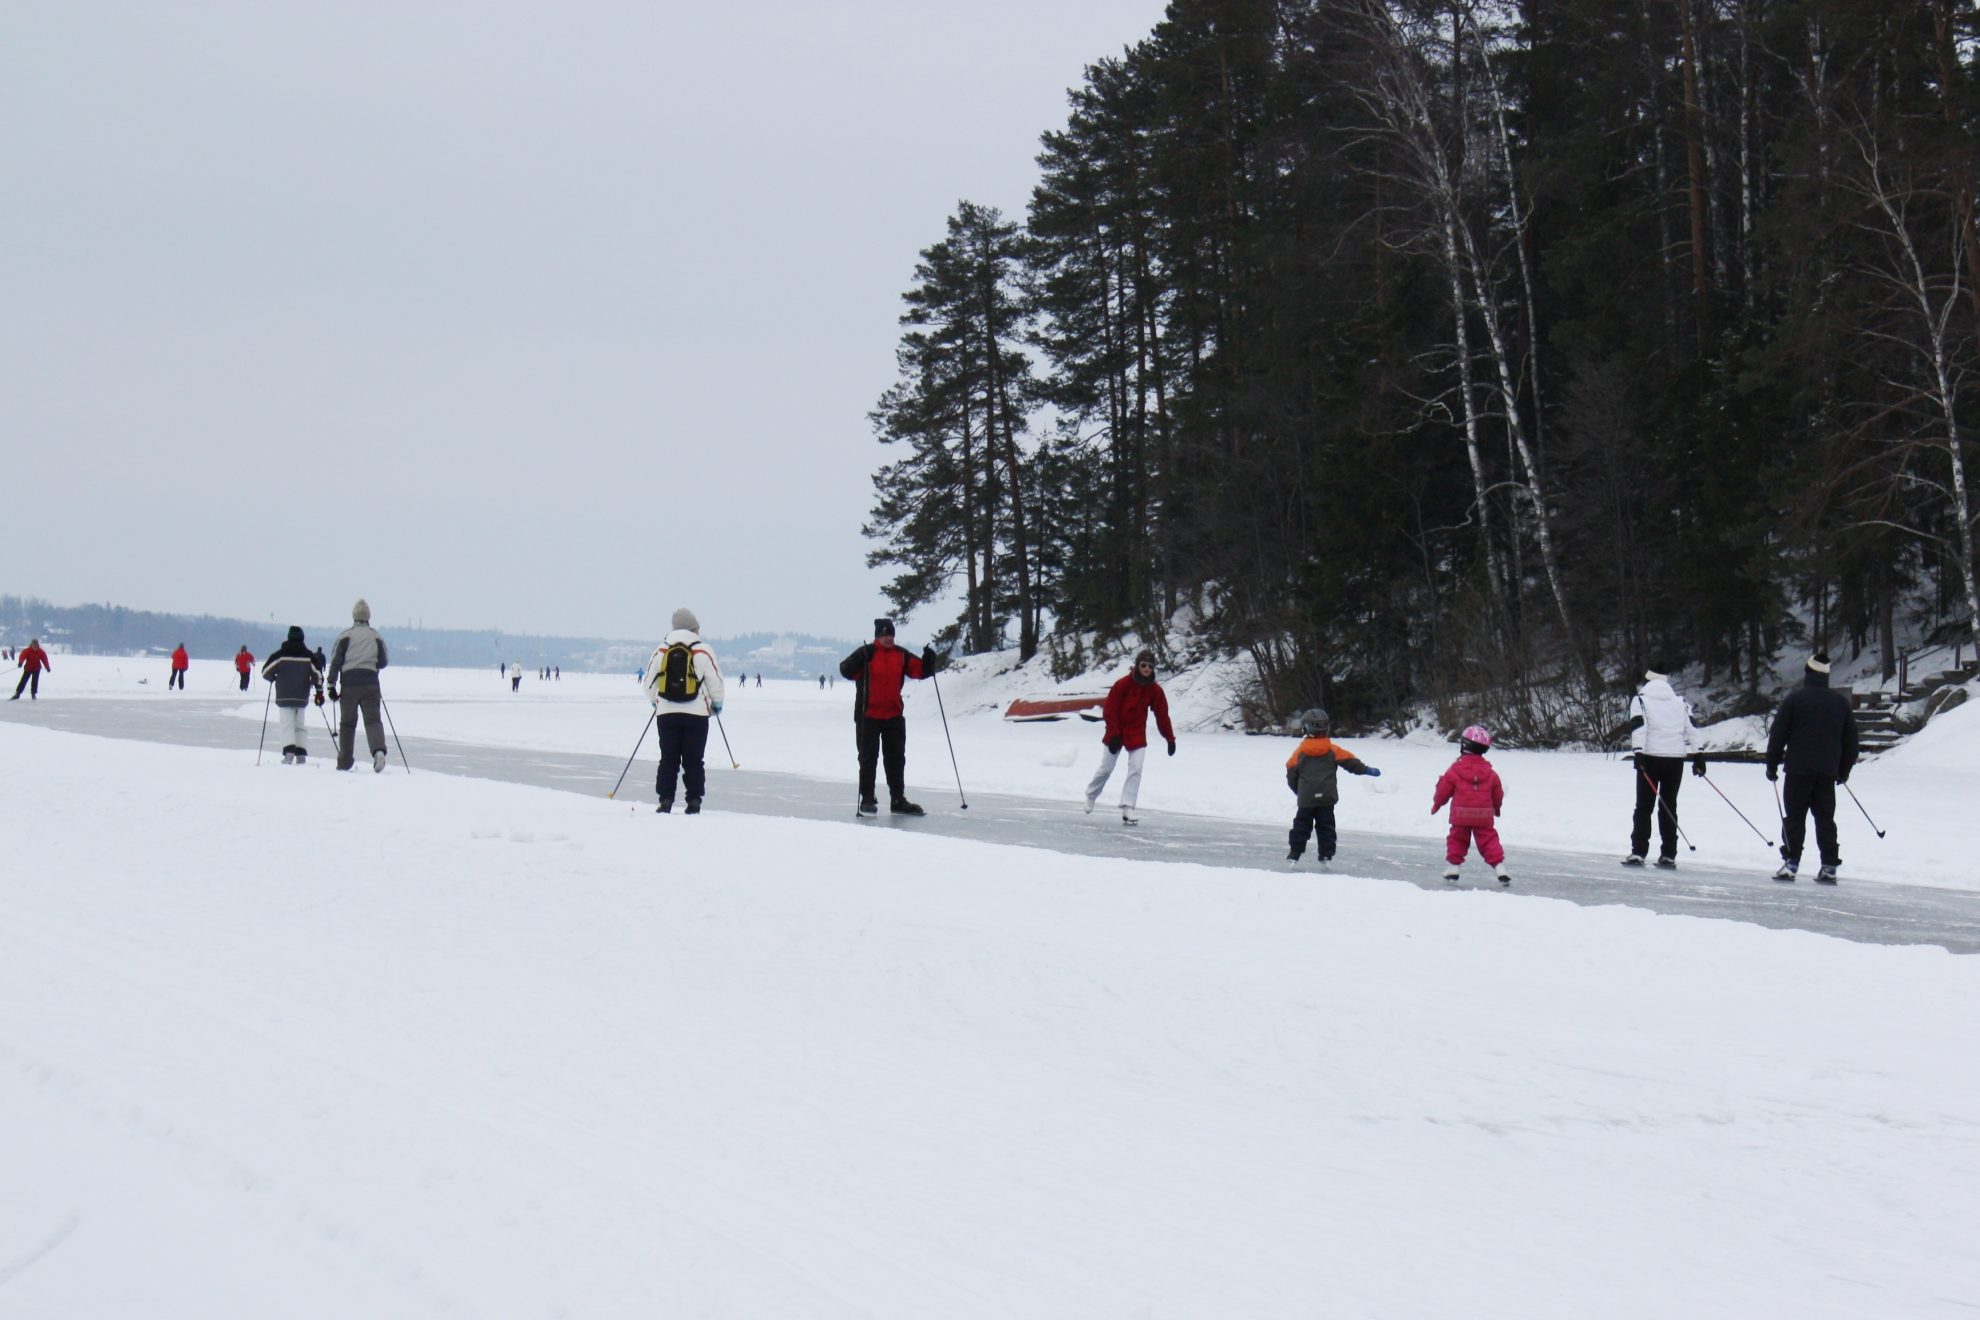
<point>1172,747</point>
<point>1113,745</point>
<point>333,694</point>
<point>319,696</point>
<point>1772,774</point>
<point>1636,760</point>
<point>928,659</point>
<point>1698,766</point>
<point>1843,778</point>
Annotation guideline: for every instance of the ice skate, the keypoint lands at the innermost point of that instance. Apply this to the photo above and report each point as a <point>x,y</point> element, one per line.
<point>1505,876</point>
<point>903,807</point>
<point>868,807</point>
<point>1634,859</point>
<point>1128,817</point>
<point>1667,863</point>
<point>1826,876</point>
<point>1786,873</point>
<point>1089,805</point>
<point>378,762</point>
<point>1451,872</point>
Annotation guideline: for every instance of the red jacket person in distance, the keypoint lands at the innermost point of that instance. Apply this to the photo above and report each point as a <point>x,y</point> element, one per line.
<point>1126,729</point>
<point>879,671</point>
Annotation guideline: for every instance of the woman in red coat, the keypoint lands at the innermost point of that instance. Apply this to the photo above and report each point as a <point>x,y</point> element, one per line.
<point>32,661</point>
<point>1126,715</point>
<point>244,663</point>
<point>179,663</point>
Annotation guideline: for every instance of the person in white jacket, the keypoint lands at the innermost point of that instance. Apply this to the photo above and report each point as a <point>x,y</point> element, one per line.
<point>1661,736</point>
<point>684,684</point>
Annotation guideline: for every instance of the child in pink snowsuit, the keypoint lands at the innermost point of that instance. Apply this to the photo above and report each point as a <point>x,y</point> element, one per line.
<point>1473,789</point>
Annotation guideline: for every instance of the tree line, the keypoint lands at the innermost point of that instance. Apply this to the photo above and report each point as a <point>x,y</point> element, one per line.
<point>1464,351</point>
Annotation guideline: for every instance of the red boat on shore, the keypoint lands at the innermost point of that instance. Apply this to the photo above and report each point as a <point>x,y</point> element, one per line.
<point>1056,706</point>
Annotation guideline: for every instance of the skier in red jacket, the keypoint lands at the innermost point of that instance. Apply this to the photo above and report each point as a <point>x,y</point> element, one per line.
<point>878,670</point>
<point>244,663</point>
<point>32,660</point>
<point>179,663</point>
<point>1473,789</point>
<point>1126,714</point>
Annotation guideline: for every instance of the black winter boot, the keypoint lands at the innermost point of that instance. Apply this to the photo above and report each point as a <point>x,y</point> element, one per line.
<point>694,806</point>
<point>666,805</point>
<point>902,807</point>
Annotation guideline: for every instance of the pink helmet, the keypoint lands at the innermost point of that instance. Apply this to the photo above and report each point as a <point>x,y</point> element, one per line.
<point>1477,733</point>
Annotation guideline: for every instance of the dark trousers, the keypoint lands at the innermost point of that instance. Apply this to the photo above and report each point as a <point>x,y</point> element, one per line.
<point>31,680</point>
<point>1807,793</point>
<point>360,695</point>
<point>1318,821</point>
<point>683,743</point>
<point>1657,775</point>
<point>177,679</point>
<point>886,741</point>
<point>244,679</point>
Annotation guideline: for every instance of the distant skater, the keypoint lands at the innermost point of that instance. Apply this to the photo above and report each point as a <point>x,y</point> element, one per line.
<point>32,660</point>
<point>244,663</point>
<point>354,663</point>
<point>685,686</point>
<point>297,674</point>
<point>1814,734</point>
<point>1476,796</point>
<point>1311,774</point>
<point>515,677</point>
<point>1125,716</point>
<point>180,663</point>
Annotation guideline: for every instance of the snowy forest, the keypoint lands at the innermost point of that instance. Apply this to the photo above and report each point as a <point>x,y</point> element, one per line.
<point>1426,349</point>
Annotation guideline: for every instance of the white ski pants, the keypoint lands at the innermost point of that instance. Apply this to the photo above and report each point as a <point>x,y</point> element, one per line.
<point>290,725</point>
<point>1131,789</point>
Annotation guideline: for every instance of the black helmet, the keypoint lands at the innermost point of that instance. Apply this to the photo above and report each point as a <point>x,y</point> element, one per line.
<point>1316,723</point>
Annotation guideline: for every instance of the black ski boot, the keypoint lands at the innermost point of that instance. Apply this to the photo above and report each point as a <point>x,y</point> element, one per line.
<point>666,805</point>
<point>868,807</point>
<point>694,806</point>
<point>903,807</point>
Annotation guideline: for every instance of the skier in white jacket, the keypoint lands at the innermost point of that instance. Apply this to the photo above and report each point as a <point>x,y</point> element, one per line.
<point>1661,736</point>
<point>685,685</point>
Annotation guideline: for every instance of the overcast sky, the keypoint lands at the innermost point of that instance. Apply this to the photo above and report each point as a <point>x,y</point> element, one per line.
<point>543,317</point>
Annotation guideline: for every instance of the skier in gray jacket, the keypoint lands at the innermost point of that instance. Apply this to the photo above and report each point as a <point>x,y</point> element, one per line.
<point>356,660</point>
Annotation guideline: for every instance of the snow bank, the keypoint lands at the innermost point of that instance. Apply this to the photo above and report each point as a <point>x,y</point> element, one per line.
<point>288,1042</point>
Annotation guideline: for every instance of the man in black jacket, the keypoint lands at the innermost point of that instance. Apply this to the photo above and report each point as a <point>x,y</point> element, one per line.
<point>1814,733</point>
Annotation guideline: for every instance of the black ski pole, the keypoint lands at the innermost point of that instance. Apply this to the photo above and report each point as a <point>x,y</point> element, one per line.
<point>327,727</point>
<point>264,724</point>
<point>1737,812</point>
<point>733,763</point>
<point>1658,793</point>
<point>395,733</point>
<point>651,715</point>
<point>951,741</point>
<point>1860,807</point>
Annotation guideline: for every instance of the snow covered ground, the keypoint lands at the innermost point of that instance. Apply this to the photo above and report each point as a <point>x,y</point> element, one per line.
<point>288,1042</point>
<point>1563,800</point>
